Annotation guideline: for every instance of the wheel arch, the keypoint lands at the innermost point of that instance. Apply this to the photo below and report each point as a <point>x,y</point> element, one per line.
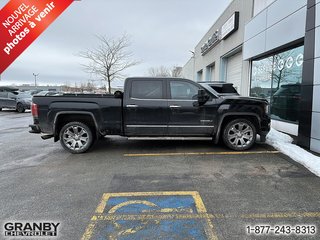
<point>226,118</point>
<point>63,118</point>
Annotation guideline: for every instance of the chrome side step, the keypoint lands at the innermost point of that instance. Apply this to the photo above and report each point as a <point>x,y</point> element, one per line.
<point>46,137</point>
<point>169,138</point>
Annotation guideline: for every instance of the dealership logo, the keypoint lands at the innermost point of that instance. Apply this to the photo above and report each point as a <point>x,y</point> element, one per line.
<point>290,61</point>
<point>299,60</point>
<point>281,64</point>
<point>212,41</point>
<point>31,229</point>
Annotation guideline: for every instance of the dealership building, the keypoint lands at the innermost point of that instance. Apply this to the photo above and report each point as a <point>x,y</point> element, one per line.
<point>268,49</point>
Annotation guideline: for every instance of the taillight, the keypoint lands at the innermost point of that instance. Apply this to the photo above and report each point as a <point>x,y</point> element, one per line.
<point>34,110</point>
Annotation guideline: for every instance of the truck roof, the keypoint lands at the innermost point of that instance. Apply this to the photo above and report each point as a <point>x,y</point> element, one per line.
<point>157,78</point>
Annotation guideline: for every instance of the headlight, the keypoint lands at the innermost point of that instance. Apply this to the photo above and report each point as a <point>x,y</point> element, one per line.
<point>267,108</point>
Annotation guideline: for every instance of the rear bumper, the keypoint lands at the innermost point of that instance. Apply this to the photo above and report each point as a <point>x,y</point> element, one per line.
<point>34,129</point>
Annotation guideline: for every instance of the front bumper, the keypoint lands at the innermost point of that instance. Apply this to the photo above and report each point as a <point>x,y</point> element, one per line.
<point>265,126</point>
<point>26,105</point>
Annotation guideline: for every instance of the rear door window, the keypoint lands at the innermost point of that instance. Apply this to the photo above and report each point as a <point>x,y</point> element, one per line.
<point>3,94</point>
<point>146,89</point>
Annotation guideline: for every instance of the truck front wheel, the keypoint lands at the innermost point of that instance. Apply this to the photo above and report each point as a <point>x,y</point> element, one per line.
<point>76,137</point>
<point>239,134</point>
<point>20,108</point>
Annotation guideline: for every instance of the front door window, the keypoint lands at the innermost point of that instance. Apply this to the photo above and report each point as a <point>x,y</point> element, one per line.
<point>183,90</point>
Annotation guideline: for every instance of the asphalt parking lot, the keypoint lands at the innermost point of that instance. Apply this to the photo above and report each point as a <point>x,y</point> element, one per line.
<point>187,189</point>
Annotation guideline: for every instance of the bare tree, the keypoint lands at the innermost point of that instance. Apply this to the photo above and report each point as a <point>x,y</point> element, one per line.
<point>109,59</point>
<point>163,71</point>
<point>90,86</point>
<point>176,71</point>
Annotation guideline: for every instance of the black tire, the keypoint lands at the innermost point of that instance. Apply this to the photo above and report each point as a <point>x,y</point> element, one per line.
<point>20,108</point>
<point>239,134</point>
<point>74,141</point>
<point>0,109</point>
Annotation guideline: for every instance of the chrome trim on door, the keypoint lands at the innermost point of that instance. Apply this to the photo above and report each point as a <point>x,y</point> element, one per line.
<point>164,126</point>
<point>132,106</point>
<point>146,126</point>
<point>164,99</point>
<point>206,121</point>
<point>178,126</point>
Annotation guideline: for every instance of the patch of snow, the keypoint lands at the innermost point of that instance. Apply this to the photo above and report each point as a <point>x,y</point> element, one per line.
<point>283,143</point>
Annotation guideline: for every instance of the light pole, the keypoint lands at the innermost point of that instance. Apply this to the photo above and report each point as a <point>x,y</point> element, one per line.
<point>35,79</point>
<point>194,64</point>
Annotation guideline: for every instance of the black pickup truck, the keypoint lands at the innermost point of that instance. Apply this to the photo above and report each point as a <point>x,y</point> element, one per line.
<point>151,107</point>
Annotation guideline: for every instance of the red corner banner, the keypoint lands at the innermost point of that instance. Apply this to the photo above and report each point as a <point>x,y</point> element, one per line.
<point>21,22</point>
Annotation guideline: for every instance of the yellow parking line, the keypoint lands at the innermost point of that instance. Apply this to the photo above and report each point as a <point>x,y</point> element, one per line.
<point>134,217</point>
<point>89,231</point>
<point>283,215</point>
<point>197,153</point>
<point>202,213</point>
<point>106,196</point>
<point>131,217</point>
<point>210,230</point>
<point>201,209</point>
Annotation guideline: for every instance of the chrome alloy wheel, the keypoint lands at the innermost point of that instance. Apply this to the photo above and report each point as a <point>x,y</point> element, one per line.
<point>240,134</point>
<point>75,137</point>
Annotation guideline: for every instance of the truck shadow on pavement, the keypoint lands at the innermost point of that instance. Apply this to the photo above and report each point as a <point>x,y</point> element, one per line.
<point>259,155</point>
<point>137,146</point>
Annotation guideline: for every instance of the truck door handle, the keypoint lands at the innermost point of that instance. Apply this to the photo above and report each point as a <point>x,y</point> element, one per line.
<point>175,106</point>
<point>132,106</point>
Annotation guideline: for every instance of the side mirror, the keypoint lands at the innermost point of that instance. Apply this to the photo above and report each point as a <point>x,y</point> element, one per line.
<point>202,96</point>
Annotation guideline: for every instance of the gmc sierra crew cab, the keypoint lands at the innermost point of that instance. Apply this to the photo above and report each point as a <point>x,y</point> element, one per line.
<point>151,107</point>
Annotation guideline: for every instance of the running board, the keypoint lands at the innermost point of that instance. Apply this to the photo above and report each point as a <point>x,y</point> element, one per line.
<point>169,138</point>
<point>46,137</point>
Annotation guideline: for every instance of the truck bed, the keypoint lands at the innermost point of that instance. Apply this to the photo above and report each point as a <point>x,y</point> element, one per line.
<point>105,109</point>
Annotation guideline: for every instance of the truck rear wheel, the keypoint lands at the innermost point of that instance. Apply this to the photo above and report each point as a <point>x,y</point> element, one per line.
<point>239,134</point>
<point>76,137</point>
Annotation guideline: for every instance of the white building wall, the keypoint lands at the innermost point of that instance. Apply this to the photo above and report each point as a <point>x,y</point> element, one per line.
<point>227,47</point>
<point>273,28</point>
<point>188,70</point>
<point>260,5</point>
<point>283,22</point>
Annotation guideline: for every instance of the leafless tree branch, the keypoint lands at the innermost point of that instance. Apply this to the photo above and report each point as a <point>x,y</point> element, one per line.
<point>109,59</point>
<point>163,71</point>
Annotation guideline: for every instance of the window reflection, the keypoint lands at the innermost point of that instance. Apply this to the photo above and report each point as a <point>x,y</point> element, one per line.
<point>278,78</point>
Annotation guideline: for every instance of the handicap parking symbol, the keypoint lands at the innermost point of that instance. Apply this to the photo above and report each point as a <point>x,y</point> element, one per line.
<point>150,215</point>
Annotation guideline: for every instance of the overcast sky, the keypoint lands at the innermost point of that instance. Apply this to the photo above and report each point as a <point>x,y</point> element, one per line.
<point>162,33</point>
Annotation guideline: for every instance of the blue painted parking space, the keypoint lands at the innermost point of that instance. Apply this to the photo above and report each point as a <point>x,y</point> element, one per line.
<point>153,215</point>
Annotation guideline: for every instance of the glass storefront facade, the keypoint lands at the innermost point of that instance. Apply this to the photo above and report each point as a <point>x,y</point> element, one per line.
<point>278,78</point>
<point>260,5</point>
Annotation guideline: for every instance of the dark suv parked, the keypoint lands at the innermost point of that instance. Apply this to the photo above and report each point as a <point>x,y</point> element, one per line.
<point>11,98</point>
<point>285,102</point>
